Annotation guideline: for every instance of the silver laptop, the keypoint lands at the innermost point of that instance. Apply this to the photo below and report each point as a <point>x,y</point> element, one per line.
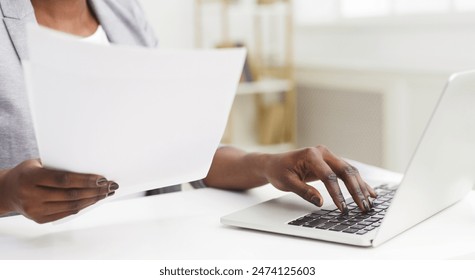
<point>440,173</point>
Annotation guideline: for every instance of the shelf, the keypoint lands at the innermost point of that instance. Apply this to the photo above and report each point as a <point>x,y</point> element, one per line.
<point>268,73</point>
<point>264,86</point>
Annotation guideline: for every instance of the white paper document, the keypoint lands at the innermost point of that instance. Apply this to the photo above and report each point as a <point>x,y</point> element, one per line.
<point>145,118</point>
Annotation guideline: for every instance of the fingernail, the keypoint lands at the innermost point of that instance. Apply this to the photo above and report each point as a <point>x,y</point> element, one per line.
<point>110,194</point>
<point>366,206</point>
<point>344,208</point>
<point>101,182</point>
<point>113,187</point>
<point>370,203</point>
<point>315,200</point>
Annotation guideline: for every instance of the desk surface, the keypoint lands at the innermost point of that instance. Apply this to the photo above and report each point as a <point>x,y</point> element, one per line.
<point>186,225</point>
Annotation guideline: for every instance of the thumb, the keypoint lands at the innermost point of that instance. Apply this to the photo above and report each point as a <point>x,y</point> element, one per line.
<point>306,192</point>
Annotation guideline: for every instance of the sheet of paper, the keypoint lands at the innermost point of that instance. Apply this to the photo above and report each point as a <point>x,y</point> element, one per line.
<point>145,118</point>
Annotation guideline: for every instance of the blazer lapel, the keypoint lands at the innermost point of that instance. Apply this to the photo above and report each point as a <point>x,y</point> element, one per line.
<point>115,28</point>
<point>17,13</point>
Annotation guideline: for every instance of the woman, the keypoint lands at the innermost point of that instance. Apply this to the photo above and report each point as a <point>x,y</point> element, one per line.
<point>46,195</point>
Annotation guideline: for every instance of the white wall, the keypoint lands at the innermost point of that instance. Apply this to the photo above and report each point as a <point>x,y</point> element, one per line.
<point>410,58</point>
<point>409,44</point>
<point>172,21</point>
<point>407,58</point>
<point>412,43</point>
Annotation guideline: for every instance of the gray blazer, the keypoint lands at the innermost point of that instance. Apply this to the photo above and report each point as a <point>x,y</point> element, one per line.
<point>124,23</point>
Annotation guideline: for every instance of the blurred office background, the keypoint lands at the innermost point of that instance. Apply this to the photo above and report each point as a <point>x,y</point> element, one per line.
<point>360,76</point>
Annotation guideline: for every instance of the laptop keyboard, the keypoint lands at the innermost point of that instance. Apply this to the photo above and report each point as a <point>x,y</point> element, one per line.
<point>355,221</point>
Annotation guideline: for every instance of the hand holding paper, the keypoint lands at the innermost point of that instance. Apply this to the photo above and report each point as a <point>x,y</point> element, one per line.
<point>45,195</point>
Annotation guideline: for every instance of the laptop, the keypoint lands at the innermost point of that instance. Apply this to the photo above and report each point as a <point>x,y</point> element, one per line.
<point>440,173</point>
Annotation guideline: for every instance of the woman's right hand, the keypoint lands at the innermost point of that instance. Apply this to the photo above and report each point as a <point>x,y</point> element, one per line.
<point>45,195</point>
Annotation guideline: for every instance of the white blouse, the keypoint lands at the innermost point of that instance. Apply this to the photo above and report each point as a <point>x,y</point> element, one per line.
<point>99,37</point>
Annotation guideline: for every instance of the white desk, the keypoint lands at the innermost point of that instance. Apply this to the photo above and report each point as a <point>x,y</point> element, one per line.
<point>186,226</point>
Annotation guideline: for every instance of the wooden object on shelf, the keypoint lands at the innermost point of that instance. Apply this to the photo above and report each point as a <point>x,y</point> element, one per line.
<point>276,120</point>
<point>266,2</point>
<point>247,78</point>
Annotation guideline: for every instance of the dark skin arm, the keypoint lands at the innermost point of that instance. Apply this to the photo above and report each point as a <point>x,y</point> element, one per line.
<point>44,195</point>
<point>29,189</point>
<point>236,170</point>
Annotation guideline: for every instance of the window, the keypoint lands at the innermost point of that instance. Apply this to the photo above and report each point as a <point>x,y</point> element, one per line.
<point>420,6</point>
<point>318,11</point>
<point>363,8</point>
<point>464,5</point>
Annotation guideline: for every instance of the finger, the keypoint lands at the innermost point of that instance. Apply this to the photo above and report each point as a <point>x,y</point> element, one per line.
<point>323,172</point>
<point>366,201</point>
<point>306,192</point>
<point>350,176</point>
<point>71,194</point>
<point>371,191</point>
<point>330,180</point>
<point>52,208</point>
<point>64,179</point>
<point>367,190</point>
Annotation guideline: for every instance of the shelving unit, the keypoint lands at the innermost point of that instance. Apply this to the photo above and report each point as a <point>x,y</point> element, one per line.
<point>268,74</point>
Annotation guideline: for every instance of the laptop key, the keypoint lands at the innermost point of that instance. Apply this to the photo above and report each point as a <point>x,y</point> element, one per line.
<point>320,212</point>
<point>326,225</point>
<point>297,223</point>
<point>372,213</point>
<point>334,214</point>
<point>357,227</point>
<point>342,218</point>
<point>339,227</point>
<point>314,223</point>
<point>313,216</point>
<point>349,223</point>
<point>326,217</point>
<point>351,230</point>
<point>305,219</point>
<point>300,221</point>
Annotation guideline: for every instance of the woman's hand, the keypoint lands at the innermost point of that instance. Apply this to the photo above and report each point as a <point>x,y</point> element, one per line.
<point>45,195</point>
<point>290,171</point>
<point>235,169</point>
